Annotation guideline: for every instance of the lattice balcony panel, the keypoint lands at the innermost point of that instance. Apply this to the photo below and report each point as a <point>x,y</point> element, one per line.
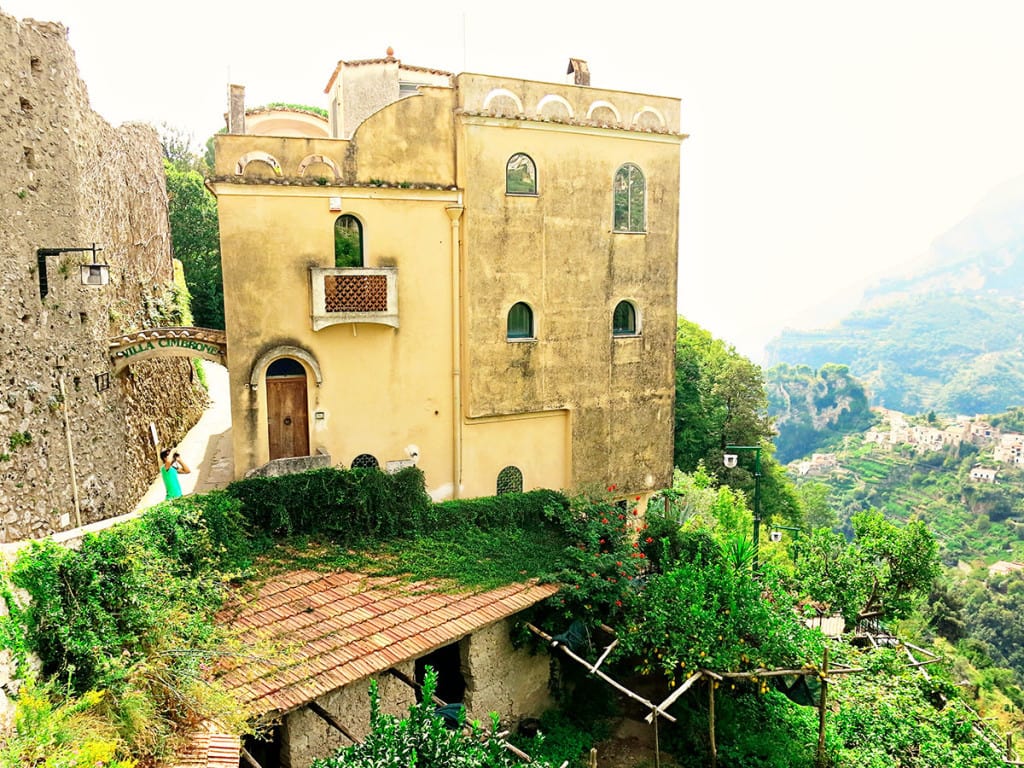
<point>355,293</point>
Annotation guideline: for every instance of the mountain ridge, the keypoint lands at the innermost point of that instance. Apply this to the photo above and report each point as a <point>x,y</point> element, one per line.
<point>947,337</point>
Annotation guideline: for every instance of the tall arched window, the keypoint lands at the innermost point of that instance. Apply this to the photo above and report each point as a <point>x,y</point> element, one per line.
<point>629,194</point>
<point>348,241</point>
<point>624,319</point>
<point>520,321</point>
<point>520,175</point>
<point>510,480</point>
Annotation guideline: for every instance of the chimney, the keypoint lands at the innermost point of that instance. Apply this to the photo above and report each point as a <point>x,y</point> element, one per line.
<point>580,72</point>
<point>236,109</point>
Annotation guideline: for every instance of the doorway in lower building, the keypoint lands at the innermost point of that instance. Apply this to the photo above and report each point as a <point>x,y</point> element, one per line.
<point>447,661</point>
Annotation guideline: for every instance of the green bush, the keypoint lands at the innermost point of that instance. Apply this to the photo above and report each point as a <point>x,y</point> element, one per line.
<point>421,739</point>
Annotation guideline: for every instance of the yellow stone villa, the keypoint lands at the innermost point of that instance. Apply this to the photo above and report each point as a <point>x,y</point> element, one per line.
<point>469,273</point>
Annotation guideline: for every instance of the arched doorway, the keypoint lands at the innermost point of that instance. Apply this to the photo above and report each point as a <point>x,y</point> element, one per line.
<point>287,409</point>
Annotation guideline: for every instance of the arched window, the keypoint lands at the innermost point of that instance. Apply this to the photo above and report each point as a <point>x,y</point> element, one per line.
<point>520,321</point>
<point>348,241</point>
<point>285,366</point>
<point>520,175</point>
<point>365,461</point>
<point>624,319</point>
<point>629,193</point>
<point>510,480</point>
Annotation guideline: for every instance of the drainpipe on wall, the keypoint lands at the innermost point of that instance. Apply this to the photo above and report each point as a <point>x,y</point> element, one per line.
<point>455,214</point>
<point>71,454</point>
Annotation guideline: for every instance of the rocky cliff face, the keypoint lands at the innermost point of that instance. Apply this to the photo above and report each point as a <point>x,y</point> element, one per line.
<point>74,438</point>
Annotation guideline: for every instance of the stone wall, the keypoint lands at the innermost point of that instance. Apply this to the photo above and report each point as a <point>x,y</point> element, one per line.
<point>501,678</point>
<point>305,736</point>
<point>68,180</point>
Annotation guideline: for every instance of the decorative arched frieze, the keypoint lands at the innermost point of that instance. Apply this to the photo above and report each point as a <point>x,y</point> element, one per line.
<point>259,368</point>
<point>649,117</point>
<point>257,156</point>
<point>318,160</point>
<point>500,96</point>
<point>554,105</point>
<point>596,109</point>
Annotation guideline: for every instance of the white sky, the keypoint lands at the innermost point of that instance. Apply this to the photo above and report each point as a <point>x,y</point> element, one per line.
<point>829,142</point>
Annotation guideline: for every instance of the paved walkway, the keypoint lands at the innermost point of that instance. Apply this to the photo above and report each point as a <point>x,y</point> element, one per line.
<point>207,446</point>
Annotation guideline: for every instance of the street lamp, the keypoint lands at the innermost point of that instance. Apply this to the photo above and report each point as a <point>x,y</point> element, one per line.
<point>730,460</point>
<point>777,536</point>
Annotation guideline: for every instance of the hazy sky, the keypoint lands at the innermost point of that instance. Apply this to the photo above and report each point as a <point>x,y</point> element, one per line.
<point>829,142</point>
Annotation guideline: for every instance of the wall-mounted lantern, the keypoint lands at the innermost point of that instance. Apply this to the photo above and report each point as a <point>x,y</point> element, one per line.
<point>95,274</point>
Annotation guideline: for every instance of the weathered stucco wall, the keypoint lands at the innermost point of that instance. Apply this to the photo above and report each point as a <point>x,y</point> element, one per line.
<point>501,678</point>
<point>575,407</point>
<point>556,252</point>
<point>68,179</point>
<point>305,736</point>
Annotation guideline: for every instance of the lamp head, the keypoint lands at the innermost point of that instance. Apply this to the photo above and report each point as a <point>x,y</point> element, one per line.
<point>775,536</point>
<point>729,460</point>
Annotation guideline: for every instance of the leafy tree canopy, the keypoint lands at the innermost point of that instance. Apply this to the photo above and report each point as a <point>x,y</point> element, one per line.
<point>195,236</point>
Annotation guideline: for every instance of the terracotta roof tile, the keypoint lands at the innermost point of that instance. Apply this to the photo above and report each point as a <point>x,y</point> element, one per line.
<point>207,749</point>
<point>342,627</point>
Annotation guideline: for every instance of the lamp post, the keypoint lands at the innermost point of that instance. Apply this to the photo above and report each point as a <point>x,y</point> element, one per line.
<point>796,537</point>
<point>730,460</point>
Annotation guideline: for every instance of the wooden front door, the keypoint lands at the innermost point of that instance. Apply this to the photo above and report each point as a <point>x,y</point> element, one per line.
<point>287,416</point>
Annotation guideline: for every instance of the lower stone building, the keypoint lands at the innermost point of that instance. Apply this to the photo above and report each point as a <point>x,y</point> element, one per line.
<point>320,638</point>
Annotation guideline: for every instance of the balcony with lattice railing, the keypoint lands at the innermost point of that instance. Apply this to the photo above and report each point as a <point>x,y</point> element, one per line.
<point>354,295</point>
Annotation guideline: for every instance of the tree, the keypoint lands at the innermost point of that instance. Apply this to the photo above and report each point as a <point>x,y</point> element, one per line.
<point>882,573</point>
<point>195,238</point>
<point>720,399</point>
<point>192,213</point>
<point>818,512</point>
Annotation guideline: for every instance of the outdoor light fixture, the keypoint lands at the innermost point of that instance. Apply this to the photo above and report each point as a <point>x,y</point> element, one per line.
<point>93,274</point>
<point>730,460</point>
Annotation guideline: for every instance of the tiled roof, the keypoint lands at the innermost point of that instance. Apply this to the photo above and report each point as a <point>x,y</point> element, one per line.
<point>342,627</point>
<point>208,750</point>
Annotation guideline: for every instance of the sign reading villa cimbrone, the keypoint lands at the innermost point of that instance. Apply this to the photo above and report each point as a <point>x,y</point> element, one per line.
<point>168,342</point>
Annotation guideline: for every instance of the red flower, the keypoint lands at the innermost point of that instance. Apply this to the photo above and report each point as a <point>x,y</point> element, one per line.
<point>638,498</point>
<point>648,539</point>
<point>604,520</point>
<point>593,575</point>
<point>602,541</point>
<point>618,563</point>
<point>642,555</point>
<point>618,603</point>
<point>635,512</point>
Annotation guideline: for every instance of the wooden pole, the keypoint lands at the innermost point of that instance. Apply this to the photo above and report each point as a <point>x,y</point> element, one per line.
<point>594,670</point>
<point>328,718</point>
<point>657,747</point>
<point>676,694</point>
<point>413,684</point>
<point>711,722</point>
<point>249,759</point>
<point>821,711</point>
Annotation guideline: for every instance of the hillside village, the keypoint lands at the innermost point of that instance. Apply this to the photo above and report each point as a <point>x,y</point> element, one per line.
<point>897,429</point>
